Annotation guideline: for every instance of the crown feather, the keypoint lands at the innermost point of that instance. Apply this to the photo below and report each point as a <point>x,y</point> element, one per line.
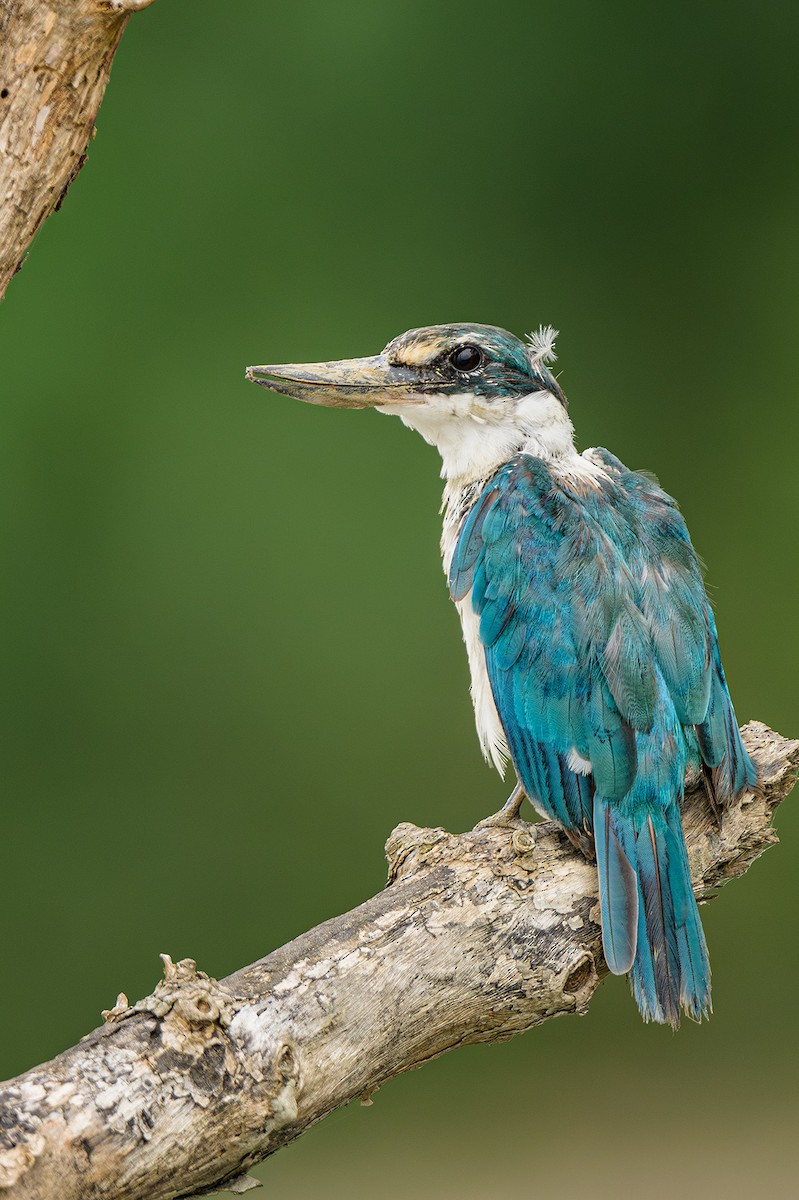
<point>542,344</point>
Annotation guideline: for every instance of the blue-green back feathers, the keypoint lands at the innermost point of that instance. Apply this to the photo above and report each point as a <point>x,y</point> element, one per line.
<point>603,661</point>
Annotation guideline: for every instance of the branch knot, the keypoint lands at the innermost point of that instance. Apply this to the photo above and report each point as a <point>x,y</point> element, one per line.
<point>193,1008</point>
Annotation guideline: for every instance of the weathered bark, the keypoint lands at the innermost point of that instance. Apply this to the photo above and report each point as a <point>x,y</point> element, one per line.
<point>477,937</point>
<point>55,58</point>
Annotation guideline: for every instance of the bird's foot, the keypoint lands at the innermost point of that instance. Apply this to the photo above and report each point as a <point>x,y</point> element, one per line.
<point>508,816</point>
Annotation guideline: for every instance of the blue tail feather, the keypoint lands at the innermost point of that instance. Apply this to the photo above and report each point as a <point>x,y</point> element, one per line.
<point>650,920</point>
<point>694,961</point>
<point>618,890</point>
<point>657,898</point>
<point>642,975</point>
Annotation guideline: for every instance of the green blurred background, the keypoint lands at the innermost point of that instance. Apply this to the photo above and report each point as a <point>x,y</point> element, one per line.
<point>230,665</point>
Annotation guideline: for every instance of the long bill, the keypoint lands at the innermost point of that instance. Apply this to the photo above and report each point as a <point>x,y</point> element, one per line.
<point>347,383</point>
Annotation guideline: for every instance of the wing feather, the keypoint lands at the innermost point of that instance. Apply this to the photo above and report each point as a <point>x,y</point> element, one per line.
<point>586,598</point>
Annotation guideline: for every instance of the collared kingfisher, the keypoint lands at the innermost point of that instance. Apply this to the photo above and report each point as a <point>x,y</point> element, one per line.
<point>592,646</point>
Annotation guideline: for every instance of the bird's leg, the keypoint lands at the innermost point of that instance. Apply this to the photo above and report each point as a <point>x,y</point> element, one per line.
<point>508,814</point>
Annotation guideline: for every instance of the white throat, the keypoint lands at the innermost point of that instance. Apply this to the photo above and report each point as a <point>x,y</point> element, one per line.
<point>474,438</point>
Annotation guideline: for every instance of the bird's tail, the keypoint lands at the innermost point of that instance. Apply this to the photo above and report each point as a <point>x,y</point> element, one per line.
<point>650,921</point>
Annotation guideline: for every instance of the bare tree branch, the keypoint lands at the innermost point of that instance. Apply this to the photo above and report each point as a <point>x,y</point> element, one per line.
<point>477,937</point>
<point>55,59</point>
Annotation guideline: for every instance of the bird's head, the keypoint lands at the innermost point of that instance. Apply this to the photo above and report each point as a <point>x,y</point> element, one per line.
<point>477,392</point>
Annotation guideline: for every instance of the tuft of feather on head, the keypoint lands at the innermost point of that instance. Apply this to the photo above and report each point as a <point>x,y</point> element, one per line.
<point>542,345</point>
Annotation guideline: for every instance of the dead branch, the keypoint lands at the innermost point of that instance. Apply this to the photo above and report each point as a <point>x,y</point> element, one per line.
<point>477,936</point>
<point>55,59</point>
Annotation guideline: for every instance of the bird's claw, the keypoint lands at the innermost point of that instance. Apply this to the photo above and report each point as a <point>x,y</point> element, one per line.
<point>508,816</point>
<point>500,820</point>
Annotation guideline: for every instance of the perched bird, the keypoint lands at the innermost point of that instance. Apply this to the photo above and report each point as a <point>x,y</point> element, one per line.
<point>592,646</point>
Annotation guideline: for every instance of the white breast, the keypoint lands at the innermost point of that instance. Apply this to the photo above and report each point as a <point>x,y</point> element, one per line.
<point>489,730</point>
<point>457,502</point>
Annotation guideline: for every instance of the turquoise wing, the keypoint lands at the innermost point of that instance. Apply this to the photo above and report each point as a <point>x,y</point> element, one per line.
<point>592,608</point>
<point>672,598</point>
<point>565,648</point>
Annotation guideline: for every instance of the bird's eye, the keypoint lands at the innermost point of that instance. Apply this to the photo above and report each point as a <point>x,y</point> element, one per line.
<point>466,358</point>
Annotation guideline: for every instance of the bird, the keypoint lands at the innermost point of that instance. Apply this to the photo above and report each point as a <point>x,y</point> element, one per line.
<point>592,646</point>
